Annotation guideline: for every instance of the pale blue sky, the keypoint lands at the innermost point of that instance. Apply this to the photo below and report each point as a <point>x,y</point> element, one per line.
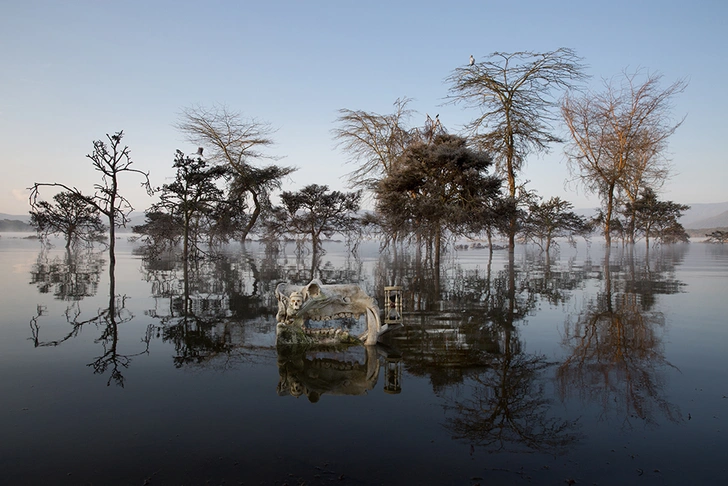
<point>73,71</point>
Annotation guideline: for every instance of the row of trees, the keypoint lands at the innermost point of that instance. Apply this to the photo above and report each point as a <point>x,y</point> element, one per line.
<point>427,184</point>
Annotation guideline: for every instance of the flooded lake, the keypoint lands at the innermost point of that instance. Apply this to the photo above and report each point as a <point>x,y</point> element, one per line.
<point>585,368</point>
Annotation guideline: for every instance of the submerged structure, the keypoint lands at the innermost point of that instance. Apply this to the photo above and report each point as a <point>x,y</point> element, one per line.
<point>337,305</point>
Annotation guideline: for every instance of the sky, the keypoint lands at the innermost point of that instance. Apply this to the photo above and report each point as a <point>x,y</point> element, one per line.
<point>75,71</point>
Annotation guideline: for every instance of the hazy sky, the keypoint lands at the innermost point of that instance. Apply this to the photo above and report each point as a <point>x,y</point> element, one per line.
<point>74,71</point>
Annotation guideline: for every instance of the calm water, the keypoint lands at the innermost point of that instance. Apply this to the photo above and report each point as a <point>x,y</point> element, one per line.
<point>530,372</point>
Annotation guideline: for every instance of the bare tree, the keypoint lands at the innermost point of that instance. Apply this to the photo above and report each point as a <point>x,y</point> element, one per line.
<point>516,95</point>
<point>235,141</point>
<point>374,141</point>
<point>619,138</point>
<point>112,161</point>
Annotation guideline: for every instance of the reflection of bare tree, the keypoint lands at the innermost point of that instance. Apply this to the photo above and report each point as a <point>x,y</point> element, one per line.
<point>71,277</point>
<point>464,331</point>
<point>507,409</point>
<point>616,355</point>
<point>550,279</point>
<point>202,304</point>
<point>109,320</point>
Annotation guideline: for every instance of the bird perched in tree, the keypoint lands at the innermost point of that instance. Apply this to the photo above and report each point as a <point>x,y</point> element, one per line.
<point>199,151</point>
<point>472,60</point>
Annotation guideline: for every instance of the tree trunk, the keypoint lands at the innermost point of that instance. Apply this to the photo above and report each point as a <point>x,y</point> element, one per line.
<point>608,216</point>
<point>253,217</point>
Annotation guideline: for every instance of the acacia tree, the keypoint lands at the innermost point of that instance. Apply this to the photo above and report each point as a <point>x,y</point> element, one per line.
<point>619,139</point>
<point>657,219</point>
<point>374,141</point>
<point>439,186</point>
<point>235,142</point>
<point>112,161</point>
<point>192,195</point>
<point>70,215</point>
<point>554,218</point>
<point>315,212</point>
<point>516,94</point>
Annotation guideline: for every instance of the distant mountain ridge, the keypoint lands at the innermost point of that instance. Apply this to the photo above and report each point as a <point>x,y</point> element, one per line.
<point>25,218</point>
<point>699,216</point>
<point>718,221</point>
<point>20,223</point>
<point>706,215</point>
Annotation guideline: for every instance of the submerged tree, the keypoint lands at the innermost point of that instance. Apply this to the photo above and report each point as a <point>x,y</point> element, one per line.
<point>619,139</point>
<point>438,187</point>
<point>552,219</point>
<point>71,215</point>
<point>315,212</point>
<point>193,195</point>
<point>657,219</point>
<point>516,94</point>
<point>374,141</point>
<point>235,142</point>
<point>112,161</point>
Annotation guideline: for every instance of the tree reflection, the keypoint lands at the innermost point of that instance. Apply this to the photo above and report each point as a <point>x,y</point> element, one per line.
<point>201,305</point>
<point>107,319</point>
<point>614,344</point>
<point>464,332</point>
<point>507,408</point>
<point>73,276</point>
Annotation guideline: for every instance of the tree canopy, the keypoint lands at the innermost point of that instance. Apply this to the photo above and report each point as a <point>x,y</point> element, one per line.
<point>438,186</point>
<point>71,215</point>
<point>619,139</point>
<point>231,140</point>
<point>316,212</point>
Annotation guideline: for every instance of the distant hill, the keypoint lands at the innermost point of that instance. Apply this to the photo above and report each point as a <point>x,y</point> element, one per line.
<point>19,223</point>
<point>718,221</point>
<point>14,225</point>
<point>25,218</point>
<point>699,216</point>
<point>699,213</point>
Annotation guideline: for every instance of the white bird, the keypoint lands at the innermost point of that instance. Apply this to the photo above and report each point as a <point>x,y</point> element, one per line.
<point>472,60</point>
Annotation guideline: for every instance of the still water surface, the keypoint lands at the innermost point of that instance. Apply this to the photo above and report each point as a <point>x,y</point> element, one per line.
<point>536,371</point>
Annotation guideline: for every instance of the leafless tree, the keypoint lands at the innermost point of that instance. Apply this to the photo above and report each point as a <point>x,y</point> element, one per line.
<point>619,138</point>
<point>111,161</point>
<point>374,141</point>
<point>235,141</point>
<point>516,94</point>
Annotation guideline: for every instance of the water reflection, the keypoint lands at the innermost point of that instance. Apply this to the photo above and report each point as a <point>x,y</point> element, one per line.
<point>199,304</point>
<point>77,278</point>
<point>473,341</point>
<point>72,276</point>
<point>461,331</point>
<point>614,343</point>
<point>333,371</point>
